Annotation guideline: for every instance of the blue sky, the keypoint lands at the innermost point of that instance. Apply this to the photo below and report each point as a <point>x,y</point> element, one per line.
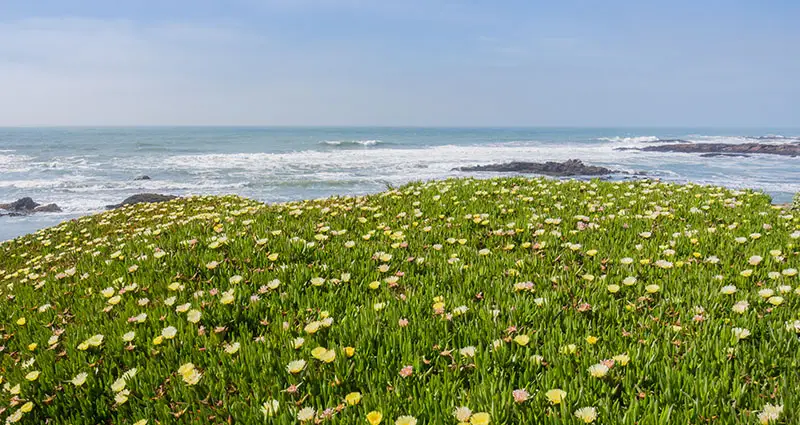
<point>400,62</point>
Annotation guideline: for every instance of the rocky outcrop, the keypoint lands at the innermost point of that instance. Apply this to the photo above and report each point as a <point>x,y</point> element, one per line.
<point>145,177</point>
<point>47,208</point>
<point>27,205</point>
<point>786,149</point>
<point>730,155</point>
<point>142,198</point>
<point>572,167</point>
<point>22,204</point>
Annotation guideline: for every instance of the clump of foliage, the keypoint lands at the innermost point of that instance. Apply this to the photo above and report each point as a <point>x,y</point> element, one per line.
<point>504,301</point>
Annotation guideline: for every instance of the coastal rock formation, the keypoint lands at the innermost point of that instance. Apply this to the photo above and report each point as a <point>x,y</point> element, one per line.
<point>26,205</point>
<point>786,149</point>
<point>144,177</point>
<point>142,198</point>
<point>47,208</point>
<point>571,167</point>
<point>730,155</point>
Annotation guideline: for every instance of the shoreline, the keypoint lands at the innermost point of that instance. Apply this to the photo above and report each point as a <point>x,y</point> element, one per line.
<point>40,221</point>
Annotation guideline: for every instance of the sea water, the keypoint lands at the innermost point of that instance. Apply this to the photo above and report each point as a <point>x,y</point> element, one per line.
<point>84,169</point>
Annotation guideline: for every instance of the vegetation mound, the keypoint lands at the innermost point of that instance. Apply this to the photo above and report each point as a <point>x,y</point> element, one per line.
<point>504,301</point>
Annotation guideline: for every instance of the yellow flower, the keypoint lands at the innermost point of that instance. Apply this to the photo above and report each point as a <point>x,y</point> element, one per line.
<point>349,351</point>
<point>27,407</point>
<point>374,417</point>
<point>592,339</point>
<point>613,288</point>
<point>79,379</point>
<point>21,321</point>
<point>296,366</point>
<point>186,368</point>
<point>193,316</point>
<point>353,398</point>
<point>621,359</point>
<point>652,289</point>
<point>481,418</point>
<point>329,356</point>
<point>312,327</point>
<point>122,396</point>
<point>318,352</point>
<point>227,297</point>
<point>118,385</point>
<point>232,348</point>
<point>775,300</point>
<point>32,376</point>
<point>522,339</point>
<point>555,396</point>
<point>13,390</point>
<point>141,422</point>
<point>192,377</point>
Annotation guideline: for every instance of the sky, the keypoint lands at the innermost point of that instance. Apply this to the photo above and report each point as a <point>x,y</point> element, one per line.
<point>400,62</point>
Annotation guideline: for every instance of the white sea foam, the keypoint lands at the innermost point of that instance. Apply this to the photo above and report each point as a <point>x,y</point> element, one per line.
<point>636,139</point>
<point>12,163</point>
<point>778,140</point>
<point>350,142</point>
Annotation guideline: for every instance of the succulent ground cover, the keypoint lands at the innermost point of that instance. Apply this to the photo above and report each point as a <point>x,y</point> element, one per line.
<point>504,301</point>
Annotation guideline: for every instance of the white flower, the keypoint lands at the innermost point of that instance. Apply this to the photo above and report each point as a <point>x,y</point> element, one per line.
<point>741,307</point>
<point>306,414</point>
<point>740,333</point>
<point>770,413</point>
<point>270,408</point>
<point>169,332</point>
<point>586,414</point>
<point>468,351</point>
<point>598,370</point>
<point>462,414</point>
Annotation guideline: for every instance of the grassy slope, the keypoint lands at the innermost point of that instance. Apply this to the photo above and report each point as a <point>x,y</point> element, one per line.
<point>685,365</point>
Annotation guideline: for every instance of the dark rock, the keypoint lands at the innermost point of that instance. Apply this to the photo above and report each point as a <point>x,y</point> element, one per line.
<point>145,177</point>
<point>787,149</point>
<point>572,167</point>
<point>733,155</point>
<point>27,206</point>
<point>23,204</point>
<point>142,198</point>
<point>47,208</point>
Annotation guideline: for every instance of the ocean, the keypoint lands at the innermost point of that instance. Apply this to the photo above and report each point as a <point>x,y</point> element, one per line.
<point>84,169</point>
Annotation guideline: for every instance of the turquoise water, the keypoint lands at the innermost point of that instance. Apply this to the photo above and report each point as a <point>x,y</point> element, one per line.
<point>84,169</point>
